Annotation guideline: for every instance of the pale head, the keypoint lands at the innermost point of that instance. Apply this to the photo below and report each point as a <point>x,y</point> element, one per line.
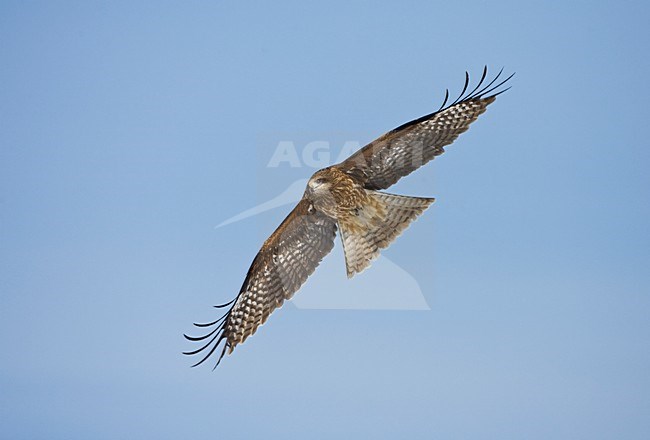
<point>320,182</point>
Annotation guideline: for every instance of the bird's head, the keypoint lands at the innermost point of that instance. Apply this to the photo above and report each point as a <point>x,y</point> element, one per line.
<point>320,183</point>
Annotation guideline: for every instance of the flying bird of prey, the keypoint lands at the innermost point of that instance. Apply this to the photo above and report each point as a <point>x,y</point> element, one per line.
<point>345,197</point>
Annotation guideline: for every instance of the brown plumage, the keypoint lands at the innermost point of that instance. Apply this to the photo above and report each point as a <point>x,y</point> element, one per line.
<point>344,196</point>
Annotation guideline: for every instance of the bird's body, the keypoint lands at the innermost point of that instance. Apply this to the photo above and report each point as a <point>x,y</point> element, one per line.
<point>335,193</point>
<point>346,197</point>
<point>368,220</point>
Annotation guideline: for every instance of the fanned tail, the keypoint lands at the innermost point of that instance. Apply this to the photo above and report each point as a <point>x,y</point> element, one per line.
<point>376,226</point>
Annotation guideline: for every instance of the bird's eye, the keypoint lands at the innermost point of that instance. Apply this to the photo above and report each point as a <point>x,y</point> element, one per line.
<point>320,181</point>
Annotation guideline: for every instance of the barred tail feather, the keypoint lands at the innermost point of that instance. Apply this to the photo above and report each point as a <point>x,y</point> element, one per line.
<point>376,226</point>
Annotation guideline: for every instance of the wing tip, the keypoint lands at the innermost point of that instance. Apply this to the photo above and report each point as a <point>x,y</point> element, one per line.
<point>479,92</point>
<point>488,91</point>
<point>214,336</point>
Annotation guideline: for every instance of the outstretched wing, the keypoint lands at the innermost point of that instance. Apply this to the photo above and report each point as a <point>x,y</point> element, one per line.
<point>401,151</point>
<point>284,263</point>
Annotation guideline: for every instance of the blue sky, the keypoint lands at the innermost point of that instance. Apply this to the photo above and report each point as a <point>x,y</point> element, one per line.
<point>131,129</point>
